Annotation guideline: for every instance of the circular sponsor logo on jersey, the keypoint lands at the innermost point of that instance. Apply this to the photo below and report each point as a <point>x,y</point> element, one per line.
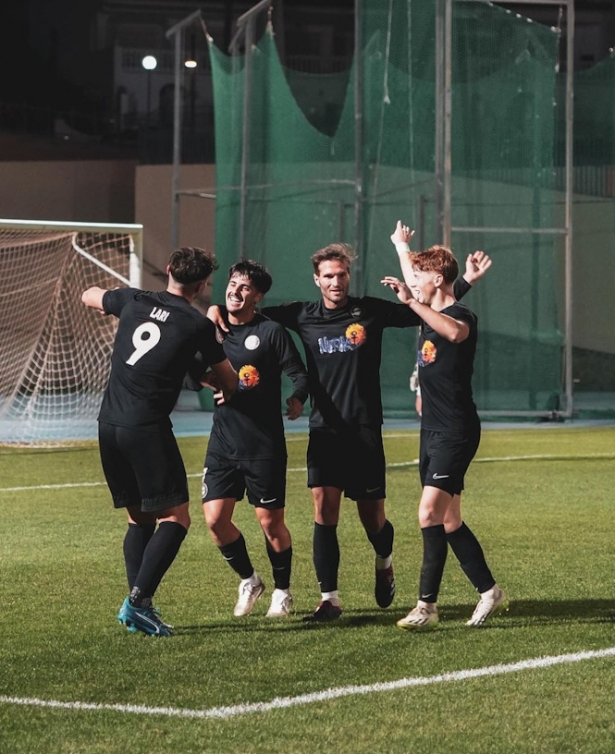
<point>356,334</point>
<point>252,342</point>
<point>428,353</point>
<point>248,377</point>
<point>356,311</point>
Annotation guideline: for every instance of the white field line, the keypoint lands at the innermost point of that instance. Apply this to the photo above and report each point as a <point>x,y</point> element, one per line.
<point>399,465</point>
<point>317,696</point>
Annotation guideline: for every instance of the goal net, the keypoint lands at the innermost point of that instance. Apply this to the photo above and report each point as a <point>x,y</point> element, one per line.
<point>54,351</point>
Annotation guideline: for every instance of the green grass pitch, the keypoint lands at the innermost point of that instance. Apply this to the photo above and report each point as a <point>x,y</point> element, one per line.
<point>72,679</point>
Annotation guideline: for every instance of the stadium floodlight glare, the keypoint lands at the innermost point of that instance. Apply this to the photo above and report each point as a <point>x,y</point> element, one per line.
<point>149,62</point>
<point>190,63</point>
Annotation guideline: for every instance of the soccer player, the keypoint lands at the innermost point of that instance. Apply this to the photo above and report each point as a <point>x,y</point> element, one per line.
<point>247,447</point>
<point>158,335</point>
<point>342,337</point>
<point>450,427</point>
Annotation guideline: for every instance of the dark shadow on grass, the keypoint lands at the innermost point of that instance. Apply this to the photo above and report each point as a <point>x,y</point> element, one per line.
<point>539,612</point>
<point>521,613</point>
<point>256,624</point>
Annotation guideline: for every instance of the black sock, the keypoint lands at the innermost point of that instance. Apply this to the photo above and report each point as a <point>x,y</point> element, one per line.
<point>135,542</point>
<point>326,554</point>
<point>471,558</point>
<point>236,555</point>
<point>280,566</point>
<point>434,559</point>
<point>159,554</point>
<point>382,542</point>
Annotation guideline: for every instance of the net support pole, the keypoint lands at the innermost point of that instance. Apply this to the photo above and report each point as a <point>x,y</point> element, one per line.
<point>245,25</point>
<point>177,32</point>
<point>448,118</point>
<point>358,150</point>
<point>568,348</point>
<point>136,261</point>
<point>439,119</point>
<point>245,136</point>
<point>177,126</point>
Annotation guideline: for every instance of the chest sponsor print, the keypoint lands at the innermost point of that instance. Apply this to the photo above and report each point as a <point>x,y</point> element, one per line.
<point>427,354</point>
<point>354,337</point>
<point>249,377</point>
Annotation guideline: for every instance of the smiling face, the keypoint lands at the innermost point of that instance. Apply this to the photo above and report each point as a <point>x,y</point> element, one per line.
<point>333,279</point>
<point>241,297</point>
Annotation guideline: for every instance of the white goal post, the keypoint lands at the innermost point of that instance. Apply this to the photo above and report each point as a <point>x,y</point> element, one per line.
<point>54,351</point>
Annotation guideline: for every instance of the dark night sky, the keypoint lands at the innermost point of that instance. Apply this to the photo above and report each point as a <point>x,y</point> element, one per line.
<point>44,45</point>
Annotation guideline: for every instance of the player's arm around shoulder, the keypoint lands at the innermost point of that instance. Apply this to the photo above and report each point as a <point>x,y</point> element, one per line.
<point>286,315</point>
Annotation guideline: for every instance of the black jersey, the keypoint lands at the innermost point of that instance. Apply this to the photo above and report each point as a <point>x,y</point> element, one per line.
<point>250,424</point>
<point>343,352</point>
<point>343,349</point>
<point>445,376</point>
<point>158,335</point>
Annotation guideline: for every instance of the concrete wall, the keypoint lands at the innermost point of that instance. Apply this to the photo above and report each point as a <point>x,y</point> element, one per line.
<point>112,191</point>
<point>153,209</point>
<point>71,191</point>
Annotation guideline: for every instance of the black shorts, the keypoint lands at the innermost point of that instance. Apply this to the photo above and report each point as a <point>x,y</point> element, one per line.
<point>264,479</point>
<point>353,462</point>
<point>445,457</point>
<point>143,469</point>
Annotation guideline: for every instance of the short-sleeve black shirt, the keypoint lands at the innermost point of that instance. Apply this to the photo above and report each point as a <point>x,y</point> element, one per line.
<point>343,350</point>
<point>158,335</point>
<point>250,424</point>
<point>445,376</point>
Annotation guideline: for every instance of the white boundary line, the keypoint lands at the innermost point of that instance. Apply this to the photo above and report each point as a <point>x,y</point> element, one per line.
<point>398,465</point>
<point>317,696</point>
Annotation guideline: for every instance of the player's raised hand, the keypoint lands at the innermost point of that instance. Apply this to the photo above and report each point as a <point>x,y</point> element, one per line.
<point>400,289</point>
<point>295,408</point>
<point>401,234</point>
<point>477,265</point>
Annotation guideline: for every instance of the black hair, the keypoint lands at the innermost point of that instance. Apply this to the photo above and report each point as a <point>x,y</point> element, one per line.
<point>256,273</point>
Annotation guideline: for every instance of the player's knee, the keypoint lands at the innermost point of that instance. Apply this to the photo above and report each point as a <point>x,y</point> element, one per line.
<point>218,528</point>
<point>272,523</point>
<point>429,517</point>
<point>179,515</point>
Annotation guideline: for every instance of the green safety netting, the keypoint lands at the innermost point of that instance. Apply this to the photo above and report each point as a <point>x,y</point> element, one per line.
<point>298,183</point>
<point>593,219</point>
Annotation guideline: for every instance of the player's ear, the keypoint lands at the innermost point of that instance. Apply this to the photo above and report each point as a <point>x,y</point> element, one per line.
<point>316,281</point>
<point>258,298</point>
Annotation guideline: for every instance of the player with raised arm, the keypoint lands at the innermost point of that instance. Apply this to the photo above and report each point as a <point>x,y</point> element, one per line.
<point>450,426</point>
<point>157,338</point>
<point>342,338</point>
<point>247,448</point>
